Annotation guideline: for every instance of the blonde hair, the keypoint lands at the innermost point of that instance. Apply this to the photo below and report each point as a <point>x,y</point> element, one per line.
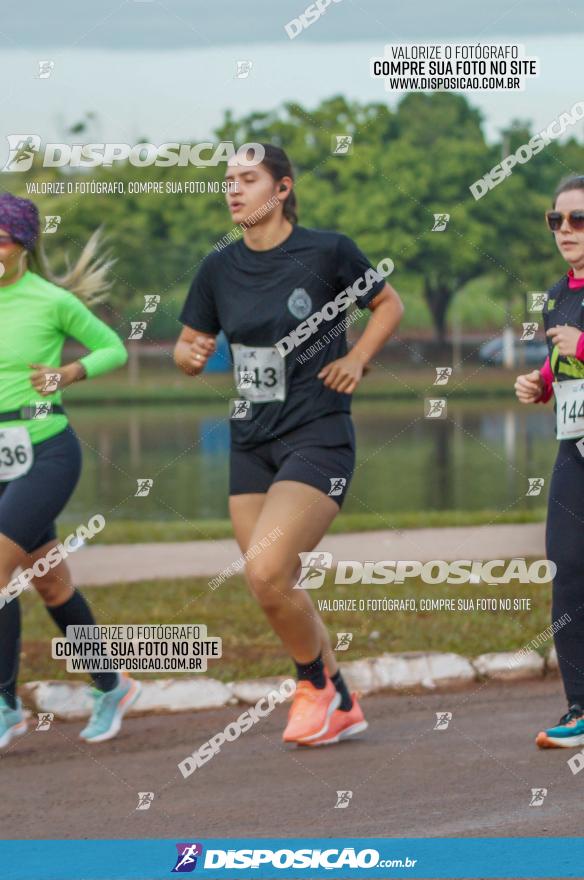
<point>87,278</point>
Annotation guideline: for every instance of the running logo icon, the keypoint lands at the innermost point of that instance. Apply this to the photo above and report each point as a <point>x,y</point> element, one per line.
<point>42,410</point>
<point>440,222</point>
<point>45,69</point>
<point>45,720</point>
<point>435,408</point>
<point>51,382</point>
<point>299,303</point>
<point>186,860</point>
<point>145,799</point>
<point>22,149</point>
<point>343,800</point>
<point>240,409</point>
<point>151,301</point>
<point>314,567</point>
<point>443,374</point>
<point>443,719</point>
<point>337,485</point>
<point>144,486</point>
<point>537,301</point>
<point>342,144</point>
<point>529,330</point>
<point>536,484</point>
<point>537,796</point>
<point>343,641</point>
<point>52,222</point>
<point>245,380</point>
<point>243,69</point>
<point>137,329</point>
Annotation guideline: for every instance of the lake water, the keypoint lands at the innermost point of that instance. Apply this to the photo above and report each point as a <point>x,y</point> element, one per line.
<point>479,457</point>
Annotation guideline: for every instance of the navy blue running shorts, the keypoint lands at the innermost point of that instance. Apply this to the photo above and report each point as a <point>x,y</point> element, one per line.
<point>320,453</point>
<point>30,504</point>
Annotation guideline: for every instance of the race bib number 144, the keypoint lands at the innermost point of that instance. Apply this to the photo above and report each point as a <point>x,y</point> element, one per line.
<point>569,409</point>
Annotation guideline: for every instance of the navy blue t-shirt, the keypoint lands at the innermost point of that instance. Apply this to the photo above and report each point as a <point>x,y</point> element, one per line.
<point>258,298</point>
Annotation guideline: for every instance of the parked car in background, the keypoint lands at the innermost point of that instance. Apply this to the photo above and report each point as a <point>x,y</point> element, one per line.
<point>532,352</point>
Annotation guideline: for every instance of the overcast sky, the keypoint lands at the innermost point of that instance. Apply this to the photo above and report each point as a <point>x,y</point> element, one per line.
<point>166,69</point>
<point>167,24</point>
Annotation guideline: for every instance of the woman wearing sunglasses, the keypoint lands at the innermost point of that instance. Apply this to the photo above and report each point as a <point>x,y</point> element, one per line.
<point>40,455</point>
<point>292,439</point>
<point>562,375</point>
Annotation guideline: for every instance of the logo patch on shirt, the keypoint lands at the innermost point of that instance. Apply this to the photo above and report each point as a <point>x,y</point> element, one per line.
<point>550,304</point>
<point>299,303</point>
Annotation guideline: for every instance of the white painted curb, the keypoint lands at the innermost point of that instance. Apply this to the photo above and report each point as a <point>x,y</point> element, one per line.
<point>253,690</point>
<point>510,666</point>
<point>414,670</point>
<point>72,700</point>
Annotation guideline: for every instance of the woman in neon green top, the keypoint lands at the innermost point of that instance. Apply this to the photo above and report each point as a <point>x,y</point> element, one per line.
<point>40,454</point>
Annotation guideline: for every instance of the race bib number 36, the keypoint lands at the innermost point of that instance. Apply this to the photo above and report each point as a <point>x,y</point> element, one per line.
<point>260,374</point>
<point>16,455</point>
<point>569,409</point>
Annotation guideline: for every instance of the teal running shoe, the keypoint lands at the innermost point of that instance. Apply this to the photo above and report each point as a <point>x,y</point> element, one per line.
<point>567,734</point>
<point>109,708</point>
<point>12,722</point>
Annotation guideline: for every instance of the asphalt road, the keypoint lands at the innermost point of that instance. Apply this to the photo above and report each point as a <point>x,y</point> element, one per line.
<point>408,780</point>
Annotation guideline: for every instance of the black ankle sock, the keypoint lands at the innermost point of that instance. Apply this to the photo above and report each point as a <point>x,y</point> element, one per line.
<point>76,612</point>
<point>346,699</point>
<point>9,650</point>
<point>576,701</point>
<point>312,672</point>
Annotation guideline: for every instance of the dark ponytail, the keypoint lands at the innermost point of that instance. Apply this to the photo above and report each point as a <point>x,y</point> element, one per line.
<point>573,181</point>
<point>278,164</point>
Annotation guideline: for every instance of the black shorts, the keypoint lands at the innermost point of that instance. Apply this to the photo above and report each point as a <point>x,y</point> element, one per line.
<point>30,504</point>
<point>321,454</point>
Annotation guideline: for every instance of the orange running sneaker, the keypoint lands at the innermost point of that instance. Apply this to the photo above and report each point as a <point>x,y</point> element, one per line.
<point>342,725</point>
<point>311,711</point>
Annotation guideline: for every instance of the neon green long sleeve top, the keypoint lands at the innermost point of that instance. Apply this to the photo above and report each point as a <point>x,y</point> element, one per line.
<point>36,317</point>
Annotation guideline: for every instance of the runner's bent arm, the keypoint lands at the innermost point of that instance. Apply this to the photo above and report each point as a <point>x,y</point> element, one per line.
<point>568,340</point>
<point>387,309</point>
<point>107,351</point>
<point>195,346</point>
<point>344,375</point>
<point>547,377</point>
<point>537,386</point>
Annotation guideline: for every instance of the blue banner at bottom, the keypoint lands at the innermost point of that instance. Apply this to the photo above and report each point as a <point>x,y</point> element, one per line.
<point>304,859</point>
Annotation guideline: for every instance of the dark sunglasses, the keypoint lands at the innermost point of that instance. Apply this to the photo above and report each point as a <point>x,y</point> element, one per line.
<point>554,220</point>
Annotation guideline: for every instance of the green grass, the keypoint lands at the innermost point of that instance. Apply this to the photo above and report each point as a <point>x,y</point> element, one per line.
<point>250,649</point>
<point>132,532</point>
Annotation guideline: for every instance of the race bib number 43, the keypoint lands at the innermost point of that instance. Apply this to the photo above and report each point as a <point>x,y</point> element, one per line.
<point>16,455</point>
<point>569,409</point>
<point>260,374</point>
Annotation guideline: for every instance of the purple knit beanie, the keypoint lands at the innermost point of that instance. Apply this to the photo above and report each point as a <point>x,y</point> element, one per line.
<point>19,217</point>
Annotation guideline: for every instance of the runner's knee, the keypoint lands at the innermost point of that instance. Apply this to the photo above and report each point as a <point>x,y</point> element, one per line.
<point>52,589</point>
<point>267,580</point>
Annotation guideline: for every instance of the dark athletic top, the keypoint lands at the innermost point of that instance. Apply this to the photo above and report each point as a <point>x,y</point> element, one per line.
<point>258,299</point>
<point>564,305</point>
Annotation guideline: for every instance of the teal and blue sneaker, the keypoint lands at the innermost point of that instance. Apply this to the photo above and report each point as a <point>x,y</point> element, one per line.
<point>567,734</point>
<point>12,722</point>
<point>109,708</point>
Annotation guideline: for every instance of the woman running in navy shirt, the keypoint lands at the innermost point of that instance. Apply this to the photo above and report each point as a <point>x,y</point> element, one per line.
<point>562,376</point>
<point>281,294</point>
